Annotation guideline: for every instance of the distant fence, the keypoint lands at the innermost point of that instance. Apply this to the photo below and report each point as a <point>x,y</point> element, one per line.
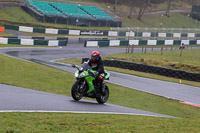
<point>39,38</point>
<point>55,31</point>
<point>179,74</point>
<point>33,42</point>
<point>106,43</point>
<point>102,33</point>
<point>151,29</point>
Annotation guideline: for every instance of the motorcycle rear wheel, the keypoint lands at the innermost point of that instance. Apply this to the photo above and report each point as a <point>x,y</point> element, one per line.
<point>103,98</point>
<point>76,94</point>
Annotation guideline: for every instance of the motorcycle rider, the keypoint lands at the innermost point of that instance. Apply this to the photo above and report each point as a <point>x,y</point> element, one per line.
<point>97,64</point>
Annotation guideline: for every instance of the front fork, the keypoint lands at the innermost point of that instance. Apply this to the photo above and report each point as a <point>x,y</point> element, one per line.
<point>81,85</point>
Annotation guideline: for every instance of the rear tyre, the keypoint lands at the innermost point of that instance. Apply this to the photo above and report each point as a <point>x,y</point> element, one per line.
<point>75,92</point>
<point>103,98</point>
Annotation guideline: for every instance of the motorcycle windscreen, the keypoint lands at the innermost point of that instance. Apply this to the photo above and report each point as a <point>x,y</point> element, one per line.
<point>85,66</point>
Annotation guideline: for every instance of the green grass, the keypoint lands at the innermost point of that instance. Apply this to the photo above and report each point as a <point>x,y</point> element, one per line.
<point>90,123</point>
<point>174,21</point>
<point>39,77</point>
<point>43,78</point>
<point>15,14</point>
<point>25,73</point>
<point>175,5</point>
<point>189,60</point>
<point>6,34</point>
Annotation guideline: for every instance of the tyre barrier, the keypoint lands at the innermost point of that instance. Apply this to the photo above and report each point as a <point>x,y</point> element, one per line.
<point>179,74</point>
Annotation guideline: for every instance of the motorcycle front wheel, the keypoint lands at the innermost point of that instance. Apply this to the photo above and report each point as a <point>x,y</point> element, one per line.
<point>75,92</point>
<point>103,98</point>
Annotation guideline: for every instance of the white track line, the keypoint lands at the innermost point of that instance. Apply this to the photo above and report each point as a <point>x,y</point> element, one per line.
<point>75,112</point>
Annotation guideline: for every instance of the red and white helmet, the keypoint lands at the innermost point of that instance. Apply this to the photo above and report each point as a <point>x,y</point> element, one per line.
<point>95,56</point>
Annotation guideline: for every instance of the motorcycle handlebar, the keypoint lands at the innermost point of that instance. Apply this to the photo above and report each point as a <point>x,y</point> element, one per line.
<point>75,66</point>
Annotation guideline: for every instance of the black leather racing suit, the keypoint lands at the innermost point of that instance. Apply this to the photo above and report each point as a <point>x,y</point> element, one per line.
<point>97,65</point>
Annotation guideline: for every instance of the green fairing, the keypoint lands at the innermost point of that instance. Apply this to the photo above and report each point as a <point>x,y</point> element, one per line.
<point>89,79</point>
<point>107,75</point>
<point>85,85</point>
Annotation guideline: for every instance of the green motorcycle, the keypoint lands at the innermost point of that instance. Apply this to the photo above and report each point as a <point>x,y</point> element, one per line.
<point>86,85</point>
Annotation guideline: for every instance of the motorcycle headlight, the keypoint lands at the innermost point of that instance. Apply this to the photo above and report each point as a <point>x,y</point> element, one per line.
<point>76,74</point>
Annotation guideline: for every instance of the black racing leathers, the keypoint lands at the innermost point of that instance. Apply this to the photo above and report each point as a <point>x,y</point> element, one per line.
<point>97,65</point>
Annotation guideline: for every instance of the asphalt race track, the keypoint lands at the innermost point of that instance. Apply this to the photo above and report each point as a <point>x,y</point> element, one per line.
<point>21,99</point>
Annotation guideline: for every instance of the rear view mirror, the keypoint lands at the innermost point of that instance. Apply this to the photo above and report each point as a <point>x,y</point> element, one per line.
<point>73,65</point>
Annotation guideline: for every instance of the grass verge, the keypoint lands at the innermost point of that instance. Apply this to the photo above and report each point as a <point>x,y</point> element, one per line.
<point>174,21</point>
<point>43,78</point>
<point>47,79</point>
<point>187,60</point>
<point>6,34</point>
<point>73,123</point>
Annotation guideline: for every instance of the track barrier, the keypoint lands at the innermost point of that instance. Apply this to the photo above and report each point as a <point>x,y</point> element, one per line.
<point>179,74</point>
<point>33,42</point>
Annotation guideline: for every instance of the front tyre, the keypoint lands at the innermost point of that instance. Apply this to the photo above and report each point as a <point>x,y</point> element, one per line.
<point>103,98</point>
<point>76,93</point>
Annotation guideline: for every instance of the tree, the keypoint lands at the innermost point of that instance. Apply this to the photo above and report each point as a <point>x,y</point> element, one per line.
<point>143,7</point>
<point>115,6</point>
<point>168,8</point>
<point>131,9</point>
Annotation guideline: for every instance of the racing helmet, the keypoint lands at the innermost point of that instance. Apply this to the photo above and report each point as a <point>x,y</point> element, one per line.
<point>95,55</point>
